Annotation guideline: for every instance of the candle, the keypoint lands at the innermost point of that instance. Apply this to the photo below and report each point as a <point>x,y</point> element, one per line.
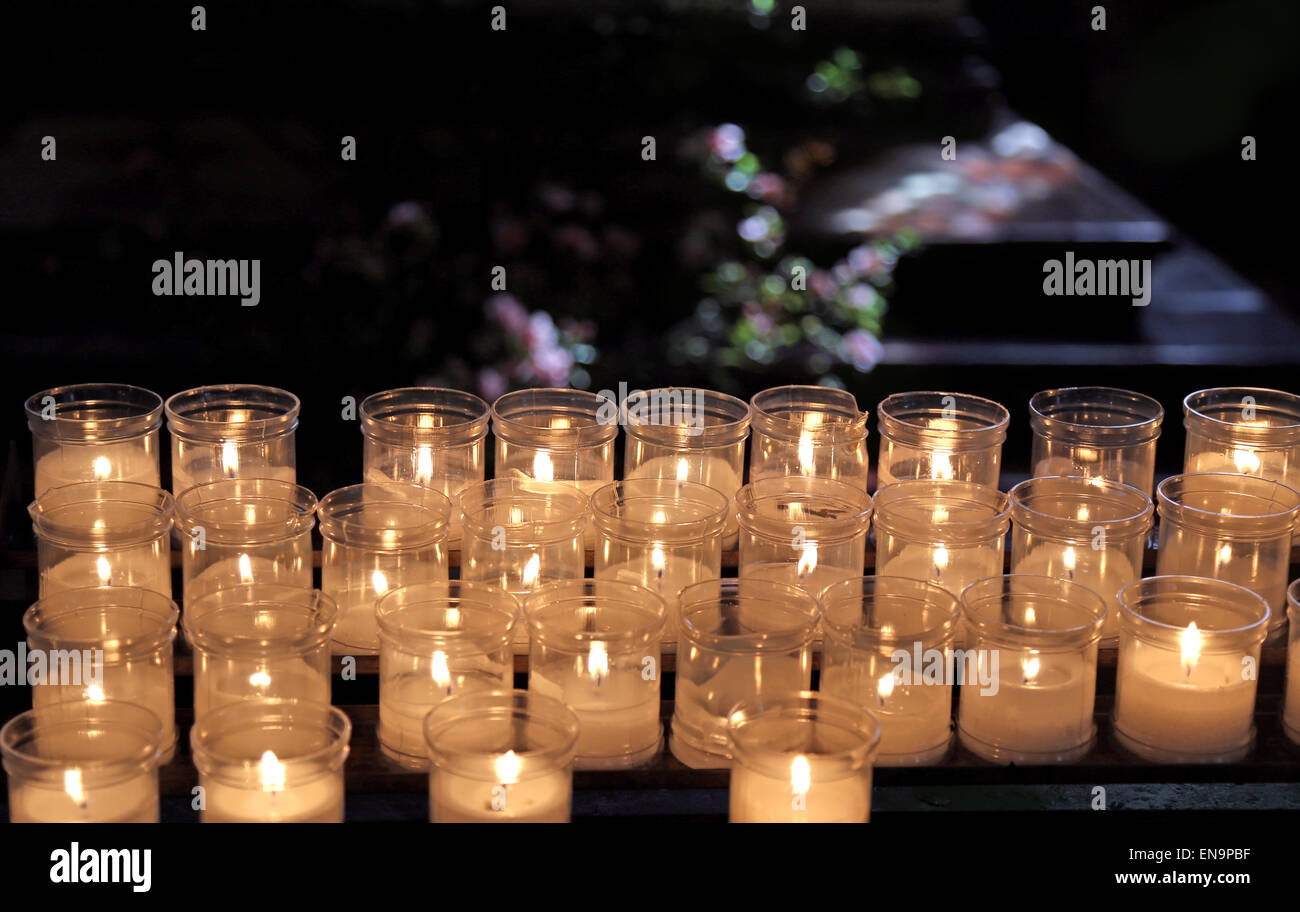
<point>940,436</point>
<point>595,647</point>
<point>75,762</point>
<point>1096,432</point>
<point>271,761</point>
<point>887,645</point>
<point>483,770</point>
<point>808,431</point>
<point>235,431</point>
<point>94,432</point>
<point>711,471</point>
<point>803,758</point>
<point>1035,645</point>
<point>1185,686</point>
<point>438,640</point>
<point>1245,431</point>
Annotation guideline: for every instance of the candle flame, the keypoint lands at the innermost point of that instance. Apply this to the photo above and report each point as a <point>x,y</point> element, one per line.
<point>508,768</point>
<point>800,775</point>
<point>885,687</point>
<point>245,568</point>
<point>1069,559</point>
<point>423,465</point>
<point>95,693</point>
<point>532,570</point>
<point>940,514</point>
<point>260,678</point>
<point>805,453</point>
<point>229,458</point>
<point>683,469</point>
<point>807,560</point>
<point>105,571</point>
<point>1190,643</point>
<point>453,618</point>
<point>940,560</point>
<point>543,468</point>
<point>441,673</point>
<point>102,468</point>
<point>1083,513</point>
<point>73,787</point>
<point>657,559</point>
<point>379,581</point>
<point>598,662</point>
<point>272,772</point>
<point>1223,555</point>
<point>940,466</point>
<point>1246,460</point>
<point>1031,667</point>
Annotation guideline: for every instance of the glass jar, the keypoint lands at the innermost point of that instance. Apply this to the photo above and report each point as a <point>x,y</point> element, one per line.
<point>119,641</point>
<point>562,435</point>
<point>1229,527</point>
<point>242,531</point>
<point>949,533</point>
<point>501,757</point>
<point>1089,530</point>
<point>661,534</point>
<point>941,435</point>
<point>437,640</point>
<point>686,434</point>
<point>1188,662</point>
<point>426,436</point>
<point>805,531</point>
<point>1029,678</point>
<point>103,533</point>
<point>1244,430</point>
<point>94,432</point>
<point>521,533</point>
<point>596,648</point>
<point>888,641</point>
<point>77,762</point>
<point>377,537</point>
<point>801,758</point>
<point>740,639</point>
<point>1291,704</point>
<point>808,430</point>
<point>1096,432</point>
<point>257,642</point>
<point>232,431</point>
<point>271,761</point>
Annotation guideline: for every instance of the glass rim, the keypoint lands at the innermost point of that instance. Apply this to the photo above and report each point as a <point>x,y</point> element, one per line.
<point>142,720</point>
<point>1207,586</point>
<point>184,411</point>
<point>1062,637</point>
<point>835,403</point>
<point>548,597</point>
<point>888,498</point>
<point>921,589</point>
<point>321,610</point>
<point>1170,502</point>
<point>605,499</point>
<point>575,504</point>
<point>732,427</point>
<point>892,424</point>
<point>378,413</point>
<point>45,513</point>
<point>544,710</point>
<point>848,717</point>
<point>778,638</point>
<point>754,495</point>
<point>334,509</point>
<point>146,412</point>
<point>481,597</point>
<point>510,428</point>
<point>299,519</point>
<point>1196,405</point>
<point>71,602</point>
<point>1150,415</point>
<point>270,711</point>
<point>1022,509</point>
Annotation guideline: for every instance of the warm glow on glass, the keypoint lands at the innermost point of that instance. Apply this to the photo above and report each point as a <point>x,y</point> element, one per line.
<point>103,468</point>
<point>229,458</point>
<point>543,468</point>
<point>508,768</point>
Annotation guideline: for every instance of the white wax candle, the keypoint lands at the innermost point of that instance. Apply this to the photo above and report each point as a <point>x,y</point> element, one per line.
<point>293,569</point>
<point>947,566</point>
<point>698,467</point>
<point>1043,706</point>
<point>133,800</point>
<point>405,700</point>
<point>587,486</point>
<point>915,718</point>
<point>146,567</point>
<point>201,466</point>
<point>667,576</point>
<point>545,798</point>
<point>1105,572</point>
<point>69,463</point>
<point>447,485</point>
<point>759,798</point>
<point>1198,707</point>
<point>619,713</point>
<point>219,681</point>
<point>317,800</point>
<point>143,683</point>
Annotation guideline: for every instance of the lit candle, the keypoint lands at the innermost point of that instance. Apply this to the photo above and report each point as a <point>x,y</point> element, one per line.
<point>222,433</point>
<point>94,432</point>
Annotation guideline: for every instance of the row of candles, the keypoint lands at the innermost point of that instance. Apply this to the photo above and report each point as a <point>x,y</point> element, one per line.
<point>939,611</point>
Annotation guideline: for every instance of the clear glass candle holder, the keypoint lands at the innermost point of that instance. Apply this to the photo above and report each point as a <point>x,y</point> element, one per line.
<point>940,435</point>
<point>521,533</point>
<point>595,646</point>
<point>232,431</point>
<point>562,435</point>
<point>103,533</point>
<point>377,537</point>
<point>808,430</point>
<point>740,639</point>
<point>1096,432</point>
<point>801,758</point>
<point>257,642</point>
<point>437,640</point>
<point>887,643</point>
<point>1188,663</point>
<point>79,762</point>
<point>1291,703</point>
<point>687,434</point>
<point>426,436</point>
<point>1088,530</point>
<point>1244,430</point>
<point>1236,528</point>
<point>1029,675</point>
<point>661,534</point>
<point>118,640</point>
<point>242,531</point>
<point>805,531</point>
<point>950,533</point>
<point>94,432</point>
<point>271,761</point>
<point>501,757</point>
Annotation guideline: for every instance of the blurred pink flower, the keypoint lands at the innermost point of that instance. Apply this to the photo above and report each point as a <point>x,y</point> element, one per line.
<point>540,333</point>
<point>551,366</point>
<point>508,313</point>
<point>491,384</point>
<point>861,348</point>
